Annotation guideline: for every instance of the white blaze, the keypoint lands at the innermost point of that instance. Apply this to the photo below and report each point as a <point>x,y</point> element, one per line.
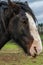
<point>34,32</point>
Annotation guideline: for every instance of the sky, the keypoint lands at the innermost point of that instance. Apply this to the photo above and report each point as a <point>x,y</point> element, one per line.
<point>37,7</point>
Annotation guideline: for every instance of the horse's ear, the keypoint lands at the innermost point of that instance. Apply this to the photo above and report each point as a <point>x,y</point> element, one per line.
<point>9,1</point>
<point>12,4</point>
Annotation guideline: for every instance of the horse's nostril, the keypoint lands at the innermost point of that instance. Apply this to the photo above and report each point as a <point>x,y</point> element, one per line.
<point>35,49</point>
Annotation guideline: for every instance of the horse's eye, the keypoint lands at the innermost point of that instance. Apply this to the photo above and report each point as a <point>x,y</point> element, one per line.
<point>24,22</point>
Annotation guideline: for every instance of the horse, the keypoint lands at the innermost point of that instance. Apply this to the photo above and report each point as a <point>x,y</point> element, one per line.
<point>18,22</point>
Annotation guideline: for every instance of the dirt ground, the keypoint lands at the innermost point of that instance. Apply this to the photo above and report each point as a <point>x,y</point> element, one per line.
<point>12,54</point>
<point>20,58</point>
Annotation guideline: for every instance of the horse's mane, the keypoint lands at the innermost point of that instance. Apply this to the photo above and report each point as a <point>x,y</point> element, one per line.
<point>21,5</point>
<point>3,3</point>
<point>26,8</point>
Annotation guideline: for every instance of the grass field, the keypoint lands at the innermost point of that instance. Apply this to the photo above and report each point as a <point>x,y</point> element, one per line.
<point>12,54</point>
<point>41,35</point>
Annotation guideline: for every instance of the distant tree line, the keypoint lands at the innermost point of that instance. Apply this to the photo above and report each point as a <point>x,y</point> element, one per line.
<point>40,28</point>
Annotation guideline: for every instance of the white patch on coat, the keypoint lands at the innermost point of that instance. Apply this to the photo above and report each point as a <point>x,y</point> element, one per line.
<point>34,32</point>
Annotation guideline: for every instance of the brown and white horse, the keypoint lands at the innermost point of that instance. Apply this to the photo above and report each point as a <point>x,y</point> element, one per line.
<point>20,26</point>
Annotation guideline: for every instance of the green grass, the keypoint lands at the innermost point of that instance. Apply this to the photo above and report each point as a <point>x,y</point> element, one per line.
<point>20,59</point>
<point>41,36</point>
<point>12,54</point>
<point>10,45</point>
